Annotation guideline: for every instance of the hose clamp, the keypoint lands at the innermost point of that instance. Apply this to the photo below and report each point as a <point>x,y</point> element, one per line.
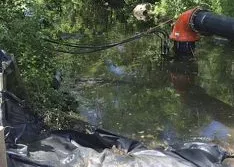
<point>193,16</point>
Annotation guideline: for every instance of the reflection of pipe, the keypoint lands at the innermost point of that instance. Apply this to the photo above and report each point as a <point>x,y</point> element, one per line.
<point>182,74</point>
<point>195,21</point>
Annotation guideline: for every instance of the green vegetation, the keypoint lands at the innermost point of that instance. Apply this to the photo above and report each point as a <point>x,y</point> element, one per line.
<point>172,8</point>
<point>25,24</point>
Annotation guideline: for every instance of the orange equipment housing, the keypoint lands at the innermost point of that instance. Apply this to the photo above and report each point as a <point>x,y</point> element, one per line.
<point>182,31</point>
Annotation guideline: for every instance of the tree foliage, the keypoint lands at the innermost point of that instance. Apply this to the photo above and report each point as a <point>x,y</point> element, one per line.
<point>26,23</point>
<point>172,8</point>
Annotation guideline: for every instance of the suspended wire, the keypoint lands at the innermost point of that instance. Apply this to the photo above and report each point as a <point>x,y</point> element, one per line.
<point>101,47</point>
<point>95,48</point>
<point>79,52</point>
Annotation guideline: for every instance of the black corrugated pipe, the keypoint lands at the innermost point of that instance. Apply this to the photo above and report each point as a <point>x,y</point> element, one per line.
<point>209,23</point>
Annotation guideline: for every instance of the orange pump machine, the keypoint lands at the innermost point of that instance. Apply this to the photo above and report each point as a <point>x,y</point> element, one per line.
<point>192,23</point>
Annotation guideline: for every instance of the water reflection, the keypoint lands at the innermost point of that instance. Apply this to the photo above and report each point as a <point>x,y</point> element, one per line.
<point>171,105</point>
<point>114,69</point>
<point>216,130</point>
<point>199,103</point>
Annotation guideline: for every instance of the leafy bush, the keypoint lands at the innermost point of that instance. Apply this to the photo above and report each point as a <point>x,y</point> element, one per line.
<point>173,8</point>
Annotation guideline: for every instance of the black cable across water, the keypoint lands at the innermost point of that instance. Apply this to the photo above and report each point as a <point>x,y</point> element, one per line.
<point>94,48</point>
<point>91,48</point>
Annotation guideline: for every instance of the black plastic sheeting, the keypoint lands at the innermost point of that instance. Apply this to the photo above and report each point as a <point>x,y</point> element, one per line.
<point>28,147</point>
<point>71,148</point>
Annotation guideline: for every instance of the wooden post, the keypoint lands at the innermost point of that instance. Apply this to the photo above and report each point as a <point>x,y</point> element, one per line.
<point>1,100</point>
<point>3,160</point>
<point>2,88</point>
<point>1,81</point>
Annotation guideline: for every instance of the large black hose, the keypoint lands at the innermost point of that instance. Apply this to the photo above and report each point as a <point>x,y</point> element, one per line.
<point>209,23</point>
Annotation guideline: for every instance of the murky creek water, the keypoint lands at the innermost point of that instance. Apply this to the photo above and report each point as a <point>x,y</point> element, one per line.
<point>167,102</point>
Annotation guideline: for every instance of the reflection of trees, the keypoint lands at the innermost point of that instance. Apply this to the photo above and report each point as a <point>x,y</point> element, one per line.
<point>157,106</point>
<point>132,109</point>
<point>141,107</point>
<point>91,22</point>
<point>215,66</point>
<point>213,74</point>
<point>203,104</point>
